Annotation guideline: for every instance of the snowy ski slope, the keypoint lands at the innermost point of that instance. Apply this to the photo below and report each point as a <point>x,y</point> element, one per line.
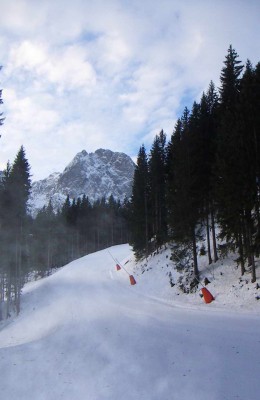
<point>85,333</point>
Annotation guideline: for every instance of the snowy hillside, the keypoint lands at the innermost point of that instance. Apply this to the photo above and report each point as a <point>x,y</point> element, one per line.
<point>158,278</point>
<point>97,174</point>
<point>86,333</point>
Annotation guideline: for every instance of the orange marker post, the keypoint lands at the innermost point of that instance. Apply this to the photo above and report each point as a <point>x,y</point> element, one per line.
<point>208,298</point>
<point>132,280</point>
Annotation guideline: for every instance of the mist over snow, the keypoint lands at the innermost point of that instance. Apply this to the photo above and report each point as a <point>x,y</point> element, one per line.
<point>86,333</point>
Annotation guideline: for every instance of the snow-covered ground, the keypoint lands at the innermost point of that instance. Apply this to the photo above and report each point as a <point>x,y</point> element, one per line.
<point>85,333</point>
<point>231,291</point>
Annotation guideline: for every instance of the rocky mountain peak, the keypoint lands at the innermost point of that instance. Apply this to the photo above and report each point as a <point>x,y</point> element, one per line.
<point>96,175</point>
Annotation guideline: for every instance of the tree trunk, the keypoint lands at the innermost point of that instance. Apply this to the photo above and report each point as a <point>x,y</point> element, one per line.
<point>253,271</point>
<point>195,259</point>
<point>8,295</point>
<point>241,254</point>
<point>1,297</point>
<point>146,225</point>
<point>18,276</point>
<point>214,235</point>
<point>251,258</point>
<point>208,239</point>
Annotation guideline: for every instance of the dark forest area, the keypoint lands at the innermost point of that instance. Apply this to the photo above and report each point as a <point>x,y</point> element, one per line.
<point>204,183</point>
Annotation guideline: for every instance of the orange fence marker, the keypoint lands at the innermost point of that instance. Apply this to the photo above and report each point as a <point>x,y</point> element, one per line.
<point>118,267</point>
<point>132,280</point>
<point>208,298</point>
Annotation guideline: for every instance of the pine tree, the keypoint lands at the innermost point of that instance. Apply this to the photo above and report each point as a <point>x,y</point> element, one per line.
<point>19,184</point>
<point>85,224</point>
<point>182,178</point>
<point>44,237</point>
<point>15,193</point>
<point>5,238</point>
<point>230,156</point>
<point>230,81</point>
<point>256,102</point>
<point>140,218</point>
<point>173,186</point>
<point>207,132</point>
<point>157,183</point>
<point>248,129</point>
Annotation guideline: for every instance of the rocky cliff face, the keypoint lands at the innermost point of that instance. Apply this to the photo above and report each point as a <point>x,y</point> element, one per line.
<point>97,174</point>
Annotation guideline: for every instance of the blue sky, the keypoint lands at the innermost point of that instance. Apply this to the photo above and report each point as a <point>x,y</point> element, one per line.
<point>92,74</point>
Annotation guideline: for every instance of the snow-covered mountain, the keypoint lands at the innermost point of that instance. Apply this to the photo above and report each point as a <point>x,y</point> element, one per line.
<point>97,174</point>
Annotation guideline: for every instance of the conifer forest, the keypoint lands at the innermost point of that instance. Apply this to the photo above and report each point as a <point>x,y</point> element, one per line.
<point>204,183</point>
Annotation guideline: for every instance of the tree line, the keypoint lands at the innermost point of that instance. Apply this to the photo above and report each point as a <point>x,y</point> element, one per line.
<point>208,175</point>
<point>79,228</point>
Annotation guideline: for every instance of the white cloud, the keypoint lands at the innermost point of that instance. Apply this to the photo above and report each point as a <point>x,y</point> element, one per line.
<point>21,17</point>
<point>93,73</point>
<point>67,68</point>
<point>25,112</point>
<point>115,49</point>
<point>27,55</point>
<point>70,70</point>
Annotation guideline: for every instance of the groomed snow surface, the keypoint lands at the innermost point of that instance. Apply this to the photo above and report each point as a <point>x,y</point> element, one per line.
<point>85,333</point>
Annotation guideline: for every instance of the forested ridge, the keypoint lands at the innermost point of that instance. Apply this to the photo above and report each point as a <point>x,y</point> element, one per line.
<point>206,176</point>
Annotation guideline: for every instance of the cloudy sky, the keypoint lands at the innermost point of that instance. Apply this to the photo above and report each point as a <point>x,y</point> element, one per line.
<point>89,74</point>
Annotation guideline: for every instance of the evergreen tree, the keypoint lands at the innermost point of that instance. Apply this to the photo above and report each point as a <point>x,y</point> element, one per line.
<point>248,131</point>
<point>183,196</point>
<point>140,230</point>
<point>19,185</point>
<point>45,237</point>
<point>173,162</point>
<point>85,224</point>
<point>207,131</point>
<point>5,237</point>
<point>230,81</point>
<point>230,157</point>
<point>15,193</point>
<point>112,216</point>
<point>157,183</point>
<point>256,102</point>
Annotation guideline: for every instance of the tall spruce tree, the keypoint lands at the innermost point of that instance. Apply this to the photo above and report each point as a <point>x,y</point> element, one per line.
<point>248,131</point>
<point>173,186</point>
<point>16,190</point>
<point>230,157</point>
<point>207,133</point>
<point>84,224</point>
<point>20,185</point>
<point>230,81</point>
<point>182,178</point>
<point>157,183</point>
<point>256,102</point>
<point>140,217</point>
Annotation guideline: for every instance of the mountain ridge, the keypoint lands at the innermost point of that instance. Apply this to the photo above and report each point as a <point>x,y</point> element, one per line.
<point>98,174</point>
